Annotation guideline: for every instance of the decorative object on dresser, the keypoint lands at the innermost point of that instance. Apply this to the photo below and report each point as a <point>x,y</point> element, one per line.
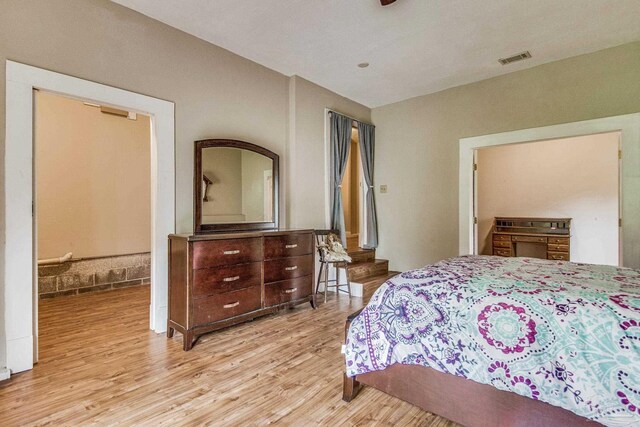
<point>547,238</point>
<point>219,280</point>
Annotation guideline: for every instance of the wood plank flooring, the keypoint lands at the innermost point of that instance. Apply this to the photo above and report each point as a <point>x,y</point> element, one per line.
<point>101,365</point>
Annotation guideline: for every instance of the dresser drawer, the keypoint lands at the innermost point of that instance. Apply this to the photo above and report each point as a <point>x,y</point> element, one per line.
<point>559,240</point>
<point>501,237</point>
<point>529,239</point>
<point>287,290</point>
<point>558,248</point>
<point>501,244</point>
<point>208,281</point>
<point>226,305</point>
<point>558,256</point>
<point>288,245</point>
<point>502,252</point>
<point>276,270</point>
<point>214,253</point>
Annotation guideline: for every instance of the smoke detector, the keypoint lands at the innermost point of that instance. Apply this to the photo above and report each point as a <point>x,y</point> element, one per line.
<point>515,58</point>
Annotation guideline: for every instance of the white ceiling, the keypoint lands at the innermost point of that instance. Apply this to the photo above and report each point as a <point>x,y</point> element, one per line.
<point>414,47</point>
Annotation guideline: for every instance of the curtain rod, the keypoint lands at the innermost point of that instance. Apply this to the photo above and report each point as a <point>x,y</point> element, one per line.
<point>349,117</point>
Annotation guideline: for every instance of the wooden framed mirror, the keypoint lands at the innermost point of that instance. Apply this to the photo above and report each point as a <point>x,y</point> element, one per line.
<point>235,186</point>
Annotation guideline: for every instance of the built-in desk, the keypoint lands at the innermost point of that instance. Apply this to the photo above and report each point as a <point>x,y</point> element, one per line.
<point>548,238</point>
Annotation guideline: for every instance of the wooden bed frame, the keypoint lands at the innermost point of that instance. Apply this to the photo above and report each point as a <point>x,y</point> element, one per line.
<point>459,399</point>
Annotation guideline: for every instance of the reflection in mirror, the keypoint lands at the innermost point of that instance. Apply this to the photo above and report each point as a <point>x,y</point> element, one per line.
<point>237,186</point>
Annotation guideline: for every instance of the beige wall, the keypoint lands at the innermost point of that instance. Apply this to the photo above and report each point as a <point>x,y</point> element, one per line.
<point>306,178</point>
<point>569,178</point>
<point>417,140</point>
<point>217,94</point>
<point>92,180</point>
<point>254,166</point>
<point>223,166</point>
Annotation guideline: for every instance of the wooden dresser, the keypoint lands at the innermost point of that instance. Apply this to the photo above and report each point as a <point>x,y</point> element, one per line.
<point>548,238</point>
<point>218,280</point>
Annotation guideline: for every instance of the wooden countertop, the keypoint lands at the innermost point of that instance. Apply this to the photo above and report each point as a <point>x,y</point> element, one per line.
<point>238,234</point>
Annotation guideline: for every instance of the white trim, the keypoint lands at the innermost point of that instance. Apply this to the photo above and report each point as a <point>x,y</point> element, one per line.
<point>328,193</point>
<point>4,374</point>
<point>18,251</point>
<point>628,125</point>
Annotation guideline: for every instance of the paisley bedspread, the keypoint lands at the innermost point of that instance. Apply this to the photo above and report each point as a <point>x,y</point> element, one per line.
<point>564,333</point>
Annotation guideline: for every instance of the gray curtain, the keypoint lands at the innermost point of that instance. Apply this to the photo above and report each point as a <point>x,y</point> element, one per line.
<point>367,135</point>
<point>340,144</point>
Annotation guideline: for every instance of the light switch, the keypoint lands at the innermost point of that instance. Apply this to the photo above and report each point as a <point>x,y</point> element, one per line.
<point>383,188</point>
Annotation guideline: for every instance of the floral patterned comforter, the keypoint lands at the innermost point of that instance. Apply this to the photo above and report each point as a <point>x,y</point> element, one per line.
<point>564,333</point>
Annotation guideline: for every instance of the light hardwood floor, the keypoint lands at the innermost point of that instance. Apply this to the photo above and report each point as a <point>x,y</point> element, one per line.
<point>101,365</point>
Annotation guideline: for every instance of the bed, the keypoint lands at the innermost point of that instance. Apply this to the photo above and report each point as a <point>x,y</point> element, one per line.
<point>487,341</point>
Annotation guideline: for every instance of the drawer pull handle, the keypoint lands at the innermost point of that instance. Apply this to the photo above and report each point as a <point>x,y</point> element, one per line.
<point>295,267</point>
<point>291,246</point>
<point>231,279</point>
<point>231,252</point>
<point>290,291</point>
<point>557,257</point>
<point>233,304</point>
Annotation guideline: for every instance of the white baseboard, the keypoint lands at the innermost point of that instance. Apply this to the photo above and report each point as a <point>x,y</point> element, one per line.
<point>20,354</point>
<point>160,318</point>
<point>357,289</point>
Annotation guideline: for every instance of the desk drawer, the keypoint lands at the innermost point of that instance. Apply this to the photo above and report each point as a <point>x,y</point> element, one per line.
<point>226,305</point>
<point>529,239</point>
<point>294,244</point>
<point>558,256</point>
<point>501,237</point>
<point>213,253</point>
<point>287,290</point>
<point>502,252</point>
<point>558,240</point>
<point>558,248</point>
<point>501,244</point>
<point>276,270</point>
<point>208,281</point>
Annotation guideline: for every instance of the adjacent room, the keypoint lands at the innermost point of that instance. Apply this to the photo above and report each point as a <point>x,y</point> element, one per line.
<point>92,216</point>
<point>355,212</point>
<point>573,178</point>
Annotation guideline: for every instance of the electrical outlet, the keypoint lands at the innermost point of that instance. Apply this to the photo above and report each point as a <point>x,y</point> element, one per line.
<point>383,188</point>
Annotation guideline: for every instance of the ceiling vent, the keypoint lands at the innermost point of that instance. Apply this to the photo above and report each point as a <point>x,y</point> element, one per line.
<point>515,58</point>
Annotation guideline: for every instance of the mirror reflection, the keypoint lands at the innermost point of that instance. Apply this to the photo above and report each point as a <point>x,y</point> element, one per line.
<point>237,186</point>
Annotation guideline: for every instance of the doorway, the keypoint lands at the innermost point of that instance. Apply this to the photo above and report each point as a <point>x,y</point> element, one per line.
<point>92,201</point>
<point>629,127</point>
<point>19,254</point>
<point>577,178</point>
<point>352,194</point>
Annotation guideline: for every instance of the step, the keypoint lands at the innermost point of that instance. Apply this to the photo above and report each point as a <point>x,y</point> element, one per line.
<point>359,270</point>
<point>371,284</point>
<point>352,241</point>
<point>361,255</point>
<point>378,279</point>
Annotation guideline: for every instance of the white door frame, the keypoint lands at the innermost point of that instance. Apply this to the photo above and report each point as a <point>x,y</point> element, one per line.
<point>19,256</point>
<point>629,127</point>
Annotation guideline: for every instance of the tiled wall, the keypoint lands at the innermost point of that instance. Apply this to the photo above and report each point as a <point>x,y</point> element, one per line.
<point>94,274</point>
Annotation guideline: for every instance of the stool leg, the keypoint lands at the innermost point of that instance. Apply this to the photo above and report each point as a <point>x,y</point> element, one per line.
<point>319,276</point>
<point>326,282</point>
<point>346,271</point>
